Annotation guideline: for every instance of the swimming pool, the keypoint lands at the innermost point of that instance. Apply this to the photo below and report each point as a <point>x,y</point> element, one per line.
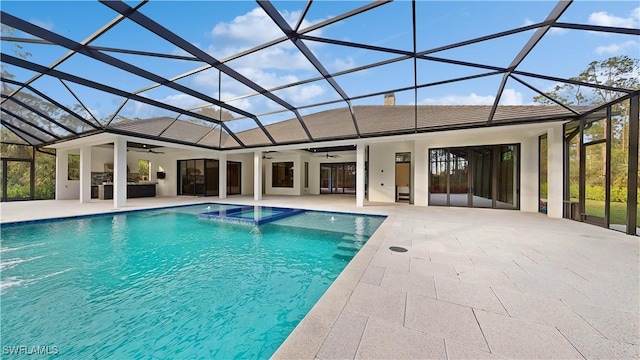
<point>167,283</point>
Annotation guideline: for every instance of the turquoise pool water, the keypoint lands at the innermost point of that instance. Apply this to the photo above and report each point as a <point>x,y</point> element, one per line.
<point>166,283</point>
<point>260,213</point>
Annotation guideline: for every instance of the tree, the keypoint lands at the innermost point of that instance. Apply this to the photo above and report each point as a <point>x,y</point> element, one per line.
<point>618,72</point>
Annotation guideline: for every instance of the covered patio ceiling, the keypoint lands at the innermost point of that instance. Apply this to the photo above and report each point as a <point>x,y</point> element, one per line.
<point>294,72</point>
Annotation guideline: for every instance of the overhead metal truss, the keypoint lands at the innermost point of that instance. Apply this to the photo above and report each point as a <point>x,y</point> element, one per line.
<point>79,120</point>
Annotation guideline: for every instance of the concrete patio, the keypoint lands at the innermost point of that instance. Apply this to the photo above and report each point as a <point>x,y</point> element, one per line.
<point>474,284</point>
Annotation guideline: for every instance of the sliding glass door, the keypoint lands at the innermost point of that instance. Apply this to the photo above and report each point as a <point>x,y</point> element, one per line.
<point>234,178</point>
<point>201,177</point>
<point>477,176</point>
<point>191,177</point>
<point>338,178</point>
<point>212,175</point>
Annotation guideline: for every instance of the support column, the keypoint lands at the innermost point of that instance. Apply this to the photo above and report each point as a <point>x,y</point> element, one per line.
<point>420,181</point>
<point>555,171</point>
<point>529,170</point>
<point>119,173</point>
<point>633,181</point>
<point>257,175</point>
<point>85,174</point>
<point>222,176</point>
<point>360,172</point>
<point>62,173</point>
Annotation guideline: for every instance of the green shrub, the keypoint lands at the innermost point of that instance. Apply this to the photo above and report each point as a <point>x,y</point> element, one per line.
<point>596,192</point>
<point>18,192</point>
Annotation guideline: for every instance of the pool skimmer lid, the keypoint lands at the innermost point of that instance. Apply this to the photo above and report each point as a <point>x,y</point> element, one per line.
<point>397,249</point>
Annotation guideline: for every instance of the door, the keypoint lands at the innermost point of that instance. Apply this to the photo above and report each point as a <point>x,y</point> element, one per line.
<point>234,185</point>
<point>403,177</point>
<point>482,179</point>
<point>459,177</point>
<point>325,178</point>
<point>478,176</point>
<point>212,175</point>
<point>338,178</point>
<point>594,175</point>
<point>349,178</point>
<point>438,177</point>
<point>507,196</point>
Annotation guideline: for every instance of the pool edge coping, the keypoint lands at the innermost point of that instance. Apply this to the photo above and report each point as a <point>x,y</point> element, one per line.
<point>306,339</point>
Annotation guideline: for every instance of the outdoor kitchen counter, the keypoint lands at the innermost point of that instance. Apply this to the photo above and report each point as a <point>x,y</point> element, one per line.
<point>134,190</point>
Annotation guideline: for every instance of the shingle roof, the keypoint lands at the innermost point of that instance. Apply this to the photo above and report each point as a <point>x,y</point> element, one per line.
<point>338,123</point>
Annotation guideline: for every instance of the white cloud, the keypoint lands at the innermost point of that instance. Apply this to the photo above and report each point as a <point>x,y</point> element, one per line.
<point>553,30</point>
<point>256,27</point>
<point>43,24</point>
<point>344,64</point>
<point>603,18</point>
<point>271,67</point>
<point>245,104</point>
<point>305,93</point>
<point>275,66</point>
<point>281,57</point>
<point>181,100</point>
<point>143,110</point>
<point>616,48</point>
<point>471,99</point>
<point>509,97</point>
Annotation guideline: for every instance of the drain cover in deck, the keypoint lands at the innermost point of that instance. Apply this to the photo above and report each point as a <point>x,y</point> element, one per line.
<point>397,249</point>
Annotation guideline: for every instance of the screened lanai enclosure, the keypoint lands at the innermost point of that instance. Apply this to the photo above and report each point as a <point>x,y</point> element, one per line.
<point>227,76</point>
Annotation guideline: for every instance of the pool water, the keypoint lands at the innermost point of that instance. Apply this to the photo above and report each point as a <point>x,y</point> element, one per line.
<point>166,283</point>
<point>260,213</point>
<point>250,215</point>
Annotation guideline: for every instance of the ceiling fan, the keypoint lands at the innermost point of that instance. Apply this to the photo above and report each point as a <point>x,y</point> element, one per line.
<point>143,148</point>
<point>155,152</point>
<point>147,151</point>
<point>327,156</point>
<point>265,157</point>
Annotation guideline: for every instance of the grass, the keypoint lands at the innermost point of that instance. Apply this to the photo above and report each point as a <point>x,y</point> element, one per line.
<point>617,214</point>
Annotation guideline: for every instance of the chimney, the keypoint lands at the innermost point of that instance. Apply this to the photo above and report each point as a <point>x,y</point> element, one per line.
<point>389,99</point>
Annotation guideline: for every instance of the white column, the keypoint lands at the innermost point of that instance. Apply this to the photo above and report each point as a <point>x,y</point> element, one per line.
<point>555,141</point>
<point>529,182</point>
<point>420,182</point>
<point>85,174</point>
<point>257,175</point>
<point>119,173</point>
<point>360,159</point>
<point>62,173</point>
<point>222,172</point>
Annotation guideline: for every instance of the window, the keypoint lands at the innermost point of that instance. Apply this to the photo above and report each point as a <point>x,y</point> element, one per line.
<point>143,170</point>
<point>403,157</point>
<point>306,174</point>
<point>73,167</point>
<point>282,174</point>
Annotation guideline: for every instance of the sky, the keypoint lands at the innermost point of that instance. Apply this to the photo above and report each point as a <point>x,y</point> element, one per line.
<point>225,28</point>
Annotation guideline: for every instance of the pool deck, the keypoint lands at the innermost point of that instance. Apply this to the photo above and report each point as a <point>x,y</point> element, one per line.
<point>474,284</point>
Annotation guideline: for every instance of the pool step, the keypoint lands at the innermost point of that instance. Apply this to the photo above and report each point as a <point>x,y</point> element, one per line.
<point>344,254</point>
<point>354,238</point>
<point>349,246</point>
